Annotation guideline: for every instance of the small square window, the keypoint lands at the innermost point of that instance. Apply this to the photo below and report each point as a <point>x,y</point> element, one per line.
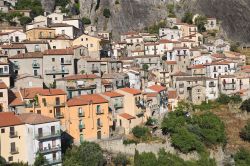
<point>53,59</point>
<point>38,111</point>
<point>10,158</point>
<point>50,111</point>
<point>31,111</point>
<point>2,130</point>
<point>54,76</point>
<point>1,94</point>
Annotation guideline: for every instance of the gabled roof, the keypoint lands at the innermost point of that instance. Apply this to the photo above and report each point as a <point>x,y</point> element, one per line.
<point>180,73</point>
<point>13,46</point>
<point>30,93</point>
<point>79,77</point>
<point>28,55</point>
<point>112,94</point>
<point>15,99</point>
<point>9,119</point>
<point>33,118</point>
<point>127,116</point>
<point>157,88</point>
<point>67,51</point>
<point>86,99</point>
<point>131,91</point>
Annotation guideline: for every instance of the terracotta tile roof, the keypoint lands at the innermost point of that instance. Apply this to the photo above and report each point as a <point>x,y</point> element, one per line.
<point>180,73</point>
<point>200,66</point>
<point>127,116</point>
<point>30,93</point>
<point>218,55</point>
<point>157,88</point>
<point>112,94</point>
<point>151,94</point>
<point>245,67</point>
<point>60,25</point>
<point>172,94</point>
<point>33,118</point>
<point>131,91</point>
<point>130,33</point>
<point>15,99</point>
<point>86,99</point>
<point>13,46</point>
<point>106,82</point>
<point>28,55</point>
<point>3,85</point>
<point>165,41</point>
<point>67,51</point>
<point>9,119</point>
<point>171,62</point>
<point>79,77</point>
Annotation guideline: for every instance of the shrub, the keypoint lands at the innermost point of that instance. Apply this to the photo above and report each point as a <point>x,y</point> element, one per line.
<point>121,159</point>
<point>25,20</point>
<point>129,141</point>
<point>141,132</point>
<point>106,13</point>
<point>200,22</point>
<point>188,18</point>
<point>245,106</point>
<point>223,99</point>
<point>145,159</point>
<point>150,121</point>
<point>245,132</point>
<point>236,99</point>
<point>86,21</point>
<point>186,141</point>
<point>242,157</point>
<point>117,2</point>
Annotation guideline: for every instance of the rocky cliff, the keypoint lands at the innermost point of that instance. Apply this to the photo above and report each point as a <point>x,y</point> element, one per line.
<point>136,14</point>
<point>48,5</point>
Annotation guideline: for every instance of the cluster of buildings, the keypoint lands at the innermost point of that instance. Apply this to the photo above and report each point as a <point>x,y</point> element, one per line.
<point>60,80</point>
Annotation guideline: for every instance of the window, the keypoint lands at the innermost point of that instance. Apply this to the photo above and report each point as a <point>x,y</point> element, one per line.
<point>87,39</point>
<point>38,111</point>
<point>2,130</point>
<point>5,52</point>
<point>63,31</point>
<point>62,60</point>
<point>18,52</point>
<point>41,34</point>
<point>53,130</point>
<point>50,111</point>
<point>10,158</point>
<point>53,59</point>
<point>37,48</point>
<point>81,39</point>
<point>1,94</point>
<point>54,76</point>
<point>91,45</point>
<point>12,147</point>
<point>55,18</point>
<point>35,73</point>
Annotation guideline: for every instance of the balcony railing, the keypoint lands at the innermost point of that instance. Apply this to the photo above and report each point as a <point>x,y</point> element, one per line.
<point>212,85</point>
<point>59,115</point>
<point>99,125</point>
<point>229,87</point>
<point>56,71</point>
<point>16,66</point>
<point>45,150</point>
<point>118,105</point>
<point>66,62</point>
<point>13,134</point>
<point>81,114</point>
<point>54,161</point>
<point>48,135</point>
<point>95,69</point>
<point>35,65</point>
<point>14,151</point>
<point>82,87</point>
<point>81,126</point>
<point>99,112</point>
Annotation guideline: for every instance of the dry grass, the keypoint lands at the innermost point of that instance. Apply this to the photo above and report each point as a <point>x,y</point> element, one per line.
<point>234,122</point>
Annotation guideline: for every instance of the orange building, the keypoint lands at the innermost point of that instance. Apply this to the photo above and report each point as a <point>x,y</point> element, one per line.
<point>87,118</point>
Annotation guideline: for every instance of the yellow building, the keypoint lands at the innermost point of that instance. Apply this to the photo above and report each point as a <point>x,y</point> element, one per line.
<point>87,118</point>
<point>12,138</point>
<point>92,43</point>
<point>37,34</point>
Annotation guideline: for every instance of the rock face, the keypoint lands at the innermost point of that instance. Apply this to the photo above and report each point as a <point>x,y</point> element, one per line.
<point>137,14</point>
<point>234,15</point>
<point>48,5</point>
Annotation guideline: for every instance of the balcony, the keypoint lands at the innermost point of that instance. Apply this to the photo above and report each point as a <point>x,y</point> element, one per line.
<point>118,105</point>
<point>58,104</point>
<point>81,126</point>
<point>56,71</point>
<point>81,87</point>
<point>99,125</point>
<point>212,85</point>
<point>59,115</point>
<point>81,114</point>
<point>99,112</point>
<point>35,65</point>
<point>140,113</point>
<point>4,73</point>
<point>54,161</point>
<point>46,150</point>
<point>50,135</point>
<point>66,62</point>
<point>95,69</point>
<point>14,151</point>
<point>229,87</point>
<point>13,134</point>
<point>16,66</point>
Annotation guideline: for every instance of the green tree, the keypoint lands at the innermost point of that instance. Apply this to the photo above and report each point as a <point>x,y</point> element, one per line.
<point>171,12</point>
<point>40,160</point>
<point>145,159</point>
<point>200,22</point>
<point>106,13</point>
<point>188,18</point>
<point>235,47</point>
<point>24,20</point>
<point>86,21</point>
<point>223,99</point>
<point>141,132</point>
<point>2,161</point>
<point>245,132</point>
<point>242,157</point>
<point>145,67</point>
<point>34,5</point>
<point>121,159</point>
<point>87,154</point>
<point>245,106</point>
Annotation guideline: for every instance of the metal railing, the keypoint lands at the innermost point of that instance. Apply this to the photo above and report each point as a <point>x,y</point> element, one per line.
<point>48,135</point>
<point>49,149</point>
<point>35,65</point>
<point>81,126</point>
<point>118,105</point>
<point>13,134</point>
<point>14,151</point>
<point>57,71</point>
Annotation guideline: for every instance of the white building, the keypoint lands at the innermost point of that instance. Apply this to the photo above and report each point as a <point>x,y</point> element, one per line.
<point>170,34</point>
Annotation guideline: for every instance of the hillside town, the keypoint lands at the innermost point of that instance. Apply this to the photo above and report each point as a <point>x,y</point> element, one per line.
<point>64,80</point>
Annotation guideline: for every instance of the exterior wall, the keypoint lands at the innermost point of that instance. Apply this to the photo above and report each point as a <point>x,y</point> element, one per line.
<point>212,91</point>
<point>198,94</point>
<point>56,17</point>
<point>89,67</point>
<point>60,44</point>
<point>215,71</point>
<point>17,36</point>
<point>89,122</point>
<point>25,66</point>
<point>36,47</point>
<point>29,82</point>
<point>74,22</point>
<point>20,143</point>
<point>12,52</point>
<point>40,33</point>
<point>4,100</point>
<point>56,69</point>
<point>170,34</point>
<point>134,80</point>
<point>69,31</point>
<point>36,25</point>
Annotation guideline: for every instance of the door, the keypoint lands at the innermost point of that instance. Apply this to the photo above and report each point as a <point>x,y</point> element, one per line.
<point>53,130</point>
<point>13,147</point>
<point>17,39</point>
<point>12,131</point>
<point>40,132</point>
<point>57,101</point>
<point>99,135</point>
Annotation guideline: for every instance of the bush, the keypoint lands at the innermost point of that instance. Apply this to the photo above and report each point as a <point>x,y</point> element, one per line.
<point>245,132</point>
<point>141,132</point>
<point>155,28</point>
<point>188,18</point>
<point>117,2</point>
<point>145,159</point>
<point>186,141</point>
<point>25,20</point>
<point>34,5</point>
<point>242,157</point>
<point>121,159</point>
<point>129,141</point>
<point>223,99</point>
<point>245,106</point>
<point>236,99</point>
<point>106,13</point>
<point>200,22</point>
<point>86,21</point>
<point>150,122</point>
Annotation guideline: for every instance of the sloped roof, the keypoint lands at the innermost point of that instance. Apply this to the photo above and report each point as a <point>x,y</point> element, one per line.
<point>126,116</point>
<point>9,119</point>
<point>157,88</point>
<point>112,94</point>
<point>86,99</point>
<point>33,118</point>
<point>131,91</point>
